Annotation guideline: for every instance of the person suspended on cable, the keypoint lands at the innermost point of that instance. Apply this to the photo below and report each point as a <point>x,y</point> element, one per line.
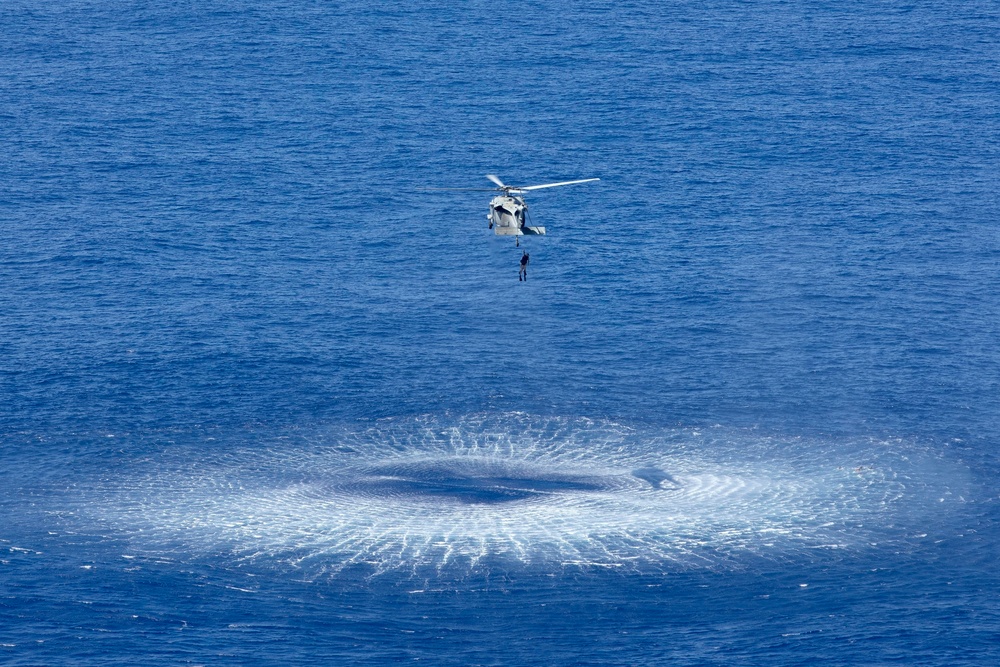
<point>523,275</point>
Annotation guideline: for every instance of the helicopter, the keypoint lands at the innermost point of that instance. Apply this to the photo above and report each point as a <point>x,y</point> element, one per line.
<point>508,212</point>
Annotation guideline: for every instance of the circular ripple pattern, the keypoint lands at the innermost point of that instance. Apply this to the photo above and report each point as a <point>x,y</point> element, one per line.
<point>482,492</point>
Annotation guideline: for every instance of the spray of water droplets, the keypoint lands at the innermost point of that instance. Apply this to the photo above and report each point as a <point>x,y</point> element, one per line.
<point>432,495</point>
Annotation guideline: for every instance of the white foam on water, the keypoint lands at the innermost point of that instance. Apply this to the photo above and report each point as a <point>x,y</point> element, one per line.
<point>484,491</point>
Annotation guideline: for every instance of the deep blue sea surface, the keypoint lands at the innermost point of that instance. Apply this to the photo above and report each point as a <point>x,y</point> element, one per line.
<point>269,397</point>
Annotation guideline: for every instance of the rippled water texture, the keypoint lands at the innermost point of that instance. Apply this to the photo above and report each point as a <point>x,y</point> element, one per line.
<point>270,395</point>
<point>484,493</point>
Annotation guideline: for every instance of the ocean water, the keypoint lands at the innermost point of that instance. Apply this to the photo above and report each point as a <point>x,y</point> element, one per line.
<point>269,394</point>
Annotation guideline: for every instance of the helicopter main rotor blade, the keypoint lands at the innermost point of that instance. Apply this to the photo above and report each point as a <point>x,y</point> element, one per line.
<point>552,185</point>
<point>495,180</point>
<point>461,189</point>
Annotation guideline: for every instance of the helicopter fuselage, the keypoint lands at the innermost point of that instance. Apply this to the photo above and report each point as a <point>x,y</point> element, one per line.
<point>507,216</point>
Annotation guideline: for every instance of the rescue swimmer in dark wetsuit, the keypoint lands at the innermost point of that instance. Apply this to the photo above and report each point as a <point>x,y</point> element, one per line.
<point>523,275</point>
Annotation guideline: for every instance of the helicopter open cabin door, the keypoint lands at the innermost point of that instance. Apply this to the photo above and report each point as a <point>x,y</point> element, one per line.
<point>507,217</point>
